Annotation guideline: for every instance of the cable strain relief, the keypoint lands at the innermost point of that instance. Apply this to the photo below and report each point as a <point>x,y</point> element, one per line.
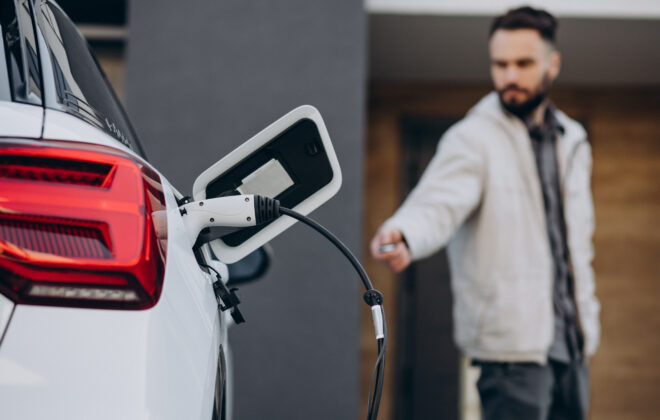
<point>373,297</point>
<point>265,209</point>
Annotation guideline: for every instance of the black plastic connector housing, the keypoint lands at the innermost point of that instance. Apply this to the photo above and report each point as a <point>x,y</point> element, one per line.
<point>266,209</point>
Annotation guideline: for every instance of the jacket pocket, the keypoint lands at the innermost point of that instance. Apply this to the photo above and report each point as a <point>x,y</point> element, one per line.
<point>469,311</point>
<point>518,317</point>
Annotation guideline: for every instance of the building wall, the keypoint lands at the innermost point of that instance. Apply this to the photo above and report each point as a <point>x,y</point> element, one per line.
<point>202,78</point>
<point>449,48</point>
<point>640,9</point>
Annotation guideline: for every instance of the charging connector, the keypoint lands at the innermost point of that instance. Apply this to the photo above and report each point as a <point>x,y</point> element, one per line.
<point>230,211</point>
<point>251,210</point>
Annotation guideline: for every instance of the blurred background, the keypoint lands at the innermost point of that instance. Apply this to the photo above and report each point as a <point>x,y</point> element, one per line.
<point>390,76</point>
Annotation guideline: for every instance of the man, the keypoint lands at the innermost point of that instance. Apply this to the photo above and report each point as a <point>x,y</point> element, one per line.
<point>509,192</point>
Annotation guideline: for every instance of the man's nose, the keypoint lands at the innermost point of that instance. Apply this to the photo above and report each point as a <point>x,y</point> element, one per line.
<point>511,75</point>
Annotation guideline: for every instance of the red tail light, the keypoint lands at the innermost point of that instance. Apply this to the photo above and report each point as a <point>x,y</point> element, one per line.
<point>77,229</point>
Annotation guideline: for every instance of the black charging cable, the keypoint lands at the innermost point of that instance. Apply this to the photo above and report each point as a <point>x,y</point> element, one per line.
<point>268,209</point>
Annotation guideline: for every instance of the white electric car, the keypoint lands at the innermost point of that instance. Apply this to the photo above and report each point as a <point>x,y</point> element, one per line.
<point>109,294</point>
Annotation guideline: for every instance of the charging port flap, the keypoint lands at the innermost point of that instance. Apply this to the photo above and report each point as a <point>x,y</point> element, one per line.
<point>292,160</point>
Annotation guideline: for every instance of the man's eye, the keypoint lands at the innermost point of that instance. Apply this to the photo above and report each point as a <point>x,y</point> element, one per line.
<point>524,63</point>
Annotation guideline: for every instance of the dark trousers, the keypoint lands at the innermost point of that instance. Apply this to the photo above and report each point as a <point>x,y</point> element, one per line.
<point>529,391</point>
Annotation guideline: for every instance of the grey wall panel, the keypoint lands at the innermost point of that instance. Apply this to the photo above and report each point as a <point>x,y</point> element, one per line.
<point>204,76</point>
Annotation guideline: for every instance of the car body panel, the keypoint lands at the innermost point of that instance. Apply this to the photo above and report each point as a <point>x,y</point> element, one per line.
<point>59,125</point>
<point>20,120</point>
<point>6,309</point>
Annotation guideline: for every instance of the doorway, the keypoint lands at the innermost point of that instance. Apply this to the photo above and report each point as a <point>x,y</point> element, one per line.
<point>427,367</point>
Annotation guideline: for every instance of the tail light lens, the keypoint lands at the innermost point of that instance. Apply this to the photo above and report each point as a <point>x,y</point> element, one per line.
<point>77,227</point>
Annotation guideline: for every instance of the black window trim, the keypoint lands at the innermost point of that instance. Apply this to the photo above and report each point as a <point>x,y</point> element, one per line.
<point>5,88</point>
<point>17,96</point>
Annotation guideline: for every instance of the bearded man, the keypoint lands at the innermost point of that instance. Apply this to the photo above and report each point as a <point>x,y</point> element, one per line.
<point>509,192</point>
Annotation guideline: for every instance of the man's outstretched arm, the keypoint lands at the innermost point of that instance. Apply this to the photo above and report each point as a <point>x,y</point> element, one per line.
<point>448,192</point>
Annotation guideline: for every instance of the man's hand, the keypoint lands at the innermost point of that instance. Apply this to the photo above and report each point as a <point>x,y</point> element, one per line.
<point>396,259</point>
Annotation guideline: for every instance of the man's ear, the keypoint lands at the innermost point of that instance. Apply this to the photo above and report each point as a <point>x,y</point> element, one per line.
<point>555,65</point>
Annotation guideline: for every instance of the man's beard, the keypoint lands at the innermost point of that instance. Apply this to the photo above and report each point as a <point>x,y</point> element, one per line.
<point>523,109</point>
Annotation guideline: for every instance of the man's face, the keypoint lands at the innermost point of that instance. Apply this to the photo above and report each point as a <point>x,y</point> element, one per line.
<point>523,65</point>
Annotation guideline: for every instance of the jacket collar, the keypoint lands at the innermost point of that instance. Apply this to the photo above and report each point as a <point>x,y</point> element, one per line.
<point>573,135</point>
<point>550,124</point>
<point>489,107</point>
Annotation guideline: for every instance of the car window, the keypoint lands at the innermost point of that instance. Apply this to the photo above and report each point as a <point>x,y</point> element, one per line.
<point>81,88</point>
<point>19,42</point>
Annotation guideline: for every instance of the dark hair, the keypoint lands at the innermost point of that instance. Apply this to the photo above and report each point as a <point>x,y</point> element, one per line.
<point>527,18</point>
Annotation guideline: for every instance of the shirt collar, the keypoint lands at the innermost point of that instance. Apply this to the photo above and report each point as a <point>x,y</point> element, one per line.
<point>550,123</point>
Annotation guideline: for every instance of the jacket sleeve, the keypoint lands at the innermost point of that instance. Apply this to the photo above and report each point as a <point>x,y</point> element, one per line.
<point>447,193</point>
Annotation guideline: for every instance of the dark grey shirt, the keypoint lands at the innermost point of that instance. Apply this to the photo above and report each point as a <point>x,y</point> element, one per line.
<point>567,342</point>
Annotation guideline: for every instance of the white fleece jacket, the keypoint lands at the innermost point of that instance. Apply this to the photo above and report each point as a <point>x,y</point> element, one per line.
<point>481,195</point>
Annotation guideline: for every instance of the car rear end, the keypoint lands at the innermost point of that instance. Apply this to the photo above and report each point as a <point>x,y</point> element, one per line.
<point>104,310</point>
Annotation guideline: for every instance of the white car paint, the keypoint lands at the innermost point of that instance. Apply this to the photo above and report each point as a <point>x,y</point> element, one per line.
<point>59,125</point>
<point>6,308</point>
<point>20,120</point>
